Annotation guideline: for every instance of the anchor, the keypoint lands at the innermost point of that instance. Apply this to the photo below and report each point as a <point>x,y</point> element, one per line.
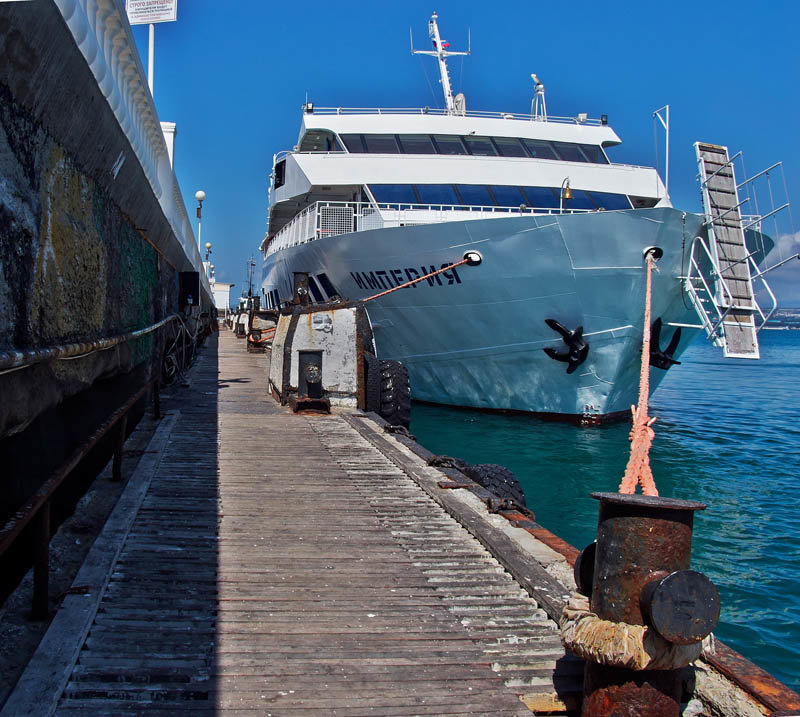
<point>578,349</point>
<point>658,358</point>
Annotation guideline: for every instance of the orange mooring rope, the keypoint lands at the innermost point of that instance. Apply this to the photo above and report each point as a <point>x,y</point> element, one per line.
<point>641,436</point>
<point>416,281</point>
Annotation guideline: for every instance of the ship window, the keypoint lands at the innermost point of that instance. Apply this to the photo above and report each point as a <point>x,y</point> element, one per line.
<point>509,147</point>
<point>475,195</point>
<point>644,202</point>
<point>606,200</point>
<point>437,194</point>
<point>315,289</point>
<point>280,173</point>
<point>580,200</point>
<point>480,146</point>
<point>417,144</point>
<point>508,196</point>
<point>449,144</point>
<point>541,197</point>
<point>540,149</point>
<point>353,143</point>
<point>381,144</point>
<point>325,282</point>
<point>569,152</point>
<point>593,153</point>
<point>394,193</point>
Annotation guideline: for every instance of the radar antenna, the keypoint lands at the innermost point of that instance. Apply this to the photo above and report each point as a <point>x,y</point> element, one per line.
<point>441,52</point>
<point>538,105</point>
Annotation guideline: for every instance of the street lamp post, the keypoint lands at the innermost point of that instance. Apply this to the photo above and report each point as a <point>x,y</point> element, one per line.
<point>200,196</point>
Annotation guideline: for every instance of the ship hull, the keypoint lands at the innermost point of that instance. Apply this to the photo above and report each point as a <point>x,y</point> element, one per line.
<point>474,336</point>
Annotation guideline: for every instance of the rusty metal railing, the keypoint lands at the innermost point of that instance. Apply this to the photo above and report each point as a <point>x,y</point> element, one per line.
<point>36,510</point>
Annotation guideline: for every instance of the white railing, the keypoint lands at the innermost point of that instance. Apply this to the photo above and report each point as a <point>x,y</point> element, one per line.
<point>325,219</point>
<point>436,111</point>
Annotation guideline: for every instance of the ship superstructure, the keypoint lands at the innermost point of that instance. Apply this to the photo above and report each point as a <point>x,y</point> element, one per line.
<point>369,199</point>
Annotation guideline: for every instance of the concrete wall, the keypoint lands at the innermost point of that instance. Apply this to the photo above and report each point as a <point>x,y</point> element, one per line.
<point>93,230</point>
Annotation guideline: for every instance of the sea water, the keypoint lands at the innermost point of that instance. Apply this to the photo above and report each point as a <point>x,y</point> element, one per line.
<point>727,435</point>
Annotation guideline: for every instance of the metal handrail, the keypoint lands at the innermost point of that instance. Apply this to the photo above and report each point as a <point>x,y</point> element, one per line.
<point>38,507</point>
<point>274,244</point>
<point>12,360</point>
<point>439,112</point>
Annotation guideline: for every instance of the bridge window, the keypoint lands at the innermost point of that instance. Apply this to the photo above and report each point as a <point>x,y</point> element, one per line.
<point>476,195</point>
<point>468,144</point>
<point>497,195</point>
<point>449,144</point>
<point>580,200</point>
<point>541,197</point>
<point>417,144</point>
<point>606,200</point>
<point>569,152</point>
<point>510,147</point>
<point>381,144</point>
<point>508,196</point>
<point>539,149</point>
<point>394,193</point>
<point>593,153</point>
<point>480,146</point>
<point>280,173</point>
<point>353,143</point>
<point>437,194</point>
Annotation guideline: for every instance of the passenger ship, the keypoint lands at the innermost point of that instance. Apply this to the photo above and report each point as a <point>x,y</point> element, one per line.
<point>370,199</point>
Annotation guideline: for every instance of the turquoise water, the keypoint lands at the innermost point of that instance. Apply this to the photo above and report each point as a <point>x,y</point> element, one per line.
<point>726,435</point>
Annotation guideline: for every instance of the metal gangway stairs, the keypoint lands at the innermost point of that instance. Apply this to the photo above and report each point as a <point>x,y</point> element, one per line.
<point>720,283</point>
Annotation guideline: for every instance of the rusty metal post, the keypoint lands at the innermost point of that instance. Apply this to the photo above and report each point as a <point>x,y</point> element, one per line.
<point>640,541</point>
<point>116,473</point>
<point>41,563</point>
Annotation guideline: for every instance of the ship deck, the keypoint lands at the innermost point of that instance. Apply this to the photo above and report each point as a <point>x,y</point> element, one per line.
<point>265,562</point>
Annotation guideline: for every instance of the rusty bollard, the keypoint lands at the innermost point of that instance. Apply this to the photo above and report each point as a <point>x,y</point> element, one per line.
<point>637,574</point>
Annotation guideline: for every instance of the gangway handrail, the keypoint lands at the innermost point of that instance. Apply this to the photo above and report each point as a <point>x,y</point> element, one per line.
<point>765,216</point>
<point>756,176</point>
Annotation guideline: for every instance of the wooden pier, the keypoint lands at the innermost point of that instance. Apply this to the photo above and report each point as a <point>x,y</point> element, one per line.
<point>271,563</point>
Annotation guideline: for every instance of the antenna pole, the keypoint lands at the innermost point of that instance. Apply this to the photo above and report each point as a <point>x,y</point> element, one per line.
<point>440,53</point>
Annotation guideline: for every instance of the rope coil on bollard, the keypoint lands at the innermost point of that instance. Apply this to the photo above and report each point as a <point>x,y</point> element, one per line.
<point>618,644</point>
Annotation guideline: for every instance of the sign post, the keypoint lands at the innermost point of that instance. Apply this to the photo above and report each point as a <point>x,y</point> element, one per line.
<point>149,12</point>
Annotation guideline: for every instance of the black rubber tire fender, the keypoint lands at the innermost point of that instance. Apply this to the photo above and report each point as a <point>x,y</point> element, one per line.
<point>372,382</point>
<point>395,404</point>
<point>497,479</point>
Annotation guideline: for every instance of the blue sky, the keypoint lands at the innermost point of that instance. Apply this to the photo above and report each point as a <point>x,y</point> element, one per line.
<point>233,75</point>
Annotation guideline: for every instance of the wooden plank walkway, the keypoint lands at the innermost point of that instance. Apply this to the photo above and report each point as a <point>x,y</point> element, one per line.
<point>282,565</point>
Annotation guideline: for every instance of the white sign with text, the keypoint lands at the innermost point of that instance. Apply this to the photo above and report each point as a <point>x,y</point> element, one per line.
<point>144,12</point>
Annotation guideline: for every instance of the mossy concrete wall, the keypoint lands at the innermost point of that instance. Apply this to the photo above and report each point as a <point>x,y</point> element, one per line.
<point>85,252</point>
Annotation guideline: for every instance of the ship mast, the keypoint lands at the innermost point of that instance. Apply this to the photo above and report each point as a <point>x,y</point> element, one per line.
<point>440,52</point>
